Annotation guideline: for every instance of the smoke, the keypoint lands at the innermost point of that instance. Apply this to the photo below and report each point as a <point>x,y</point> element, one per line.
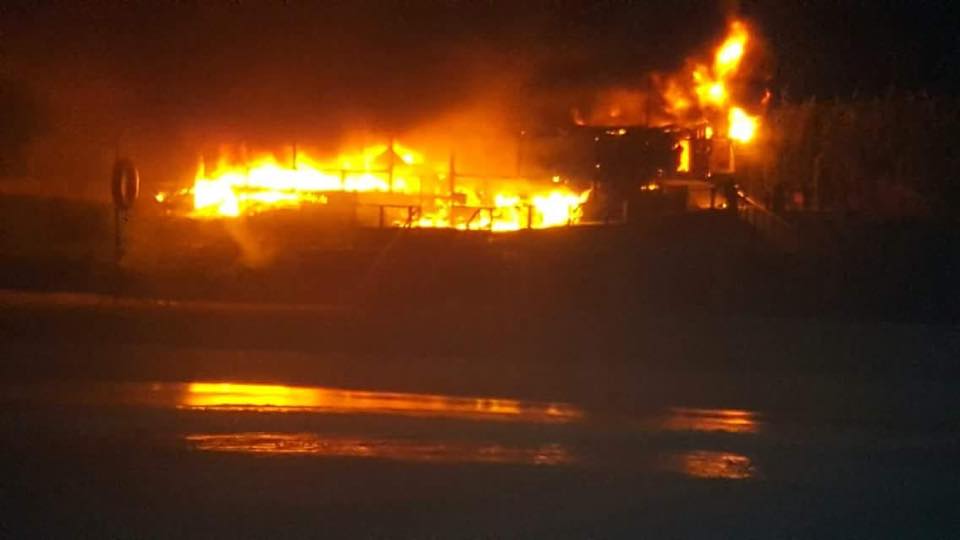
<point>22,122</point>
<point>162,83</point>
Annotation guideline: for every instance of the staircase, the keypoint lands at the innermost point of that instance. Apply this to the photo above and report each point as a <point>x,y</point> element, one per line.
<point>774,229</point>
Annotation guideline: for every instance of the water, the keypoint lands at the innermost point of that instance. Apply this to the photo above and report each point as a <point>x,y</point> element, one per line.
<point>241,458</point>
<point>133,420</point>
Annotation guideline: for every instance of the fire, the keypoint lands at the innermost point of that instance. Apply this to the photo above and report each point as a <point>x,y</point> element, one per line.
<point>728,56</point>
<point>706,91</point>
<point>684,164</point>
<point>389,176</point>
<point>742,126</point>
<point>710,84</point>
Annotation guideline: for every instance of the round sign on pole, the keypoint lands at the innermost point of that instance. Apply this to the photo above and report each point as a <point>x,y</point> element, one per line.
<point>125,184</point>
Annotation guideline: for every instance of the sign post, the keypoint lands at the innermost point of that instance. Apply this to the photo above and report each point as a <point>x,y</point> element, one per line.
<point>125,187</point>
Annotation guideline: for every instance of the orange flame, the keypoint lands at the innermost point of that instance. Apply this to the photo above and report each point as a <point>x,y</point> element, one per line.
<point>706,91</point>
<point>742,126</point>
<point>388,175</point>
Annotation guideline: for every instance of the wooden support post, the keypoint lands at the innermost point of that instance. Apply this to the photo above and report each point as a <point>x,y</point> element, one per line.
<point>452,175</point>
<point>390,163</point>
<point>119,246</point>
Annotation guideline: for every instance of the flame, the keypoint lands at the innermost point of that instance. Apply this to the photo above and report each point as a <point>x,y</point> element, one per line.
<point>707,91</point>
<point>711,85</point>
<point>684,163</point>
<point>742,126</point>
<point>391,176</point>
<point>730,53</point>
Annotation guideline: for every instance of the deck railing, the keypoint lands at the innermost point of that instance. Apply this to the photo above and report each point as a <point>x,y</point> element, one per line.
<point>776,230</point>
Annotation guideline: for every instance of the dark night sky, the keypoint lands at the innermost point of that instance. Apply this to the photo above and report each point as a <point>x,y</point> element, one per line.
<point>864,47</point>
<point>195,55</point>
<point>821,47</point>
<point>105,67</point>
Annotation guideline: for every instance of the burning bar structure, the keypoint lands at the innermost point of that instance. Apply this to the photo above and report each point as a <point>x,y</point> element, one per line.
<point>399,184</point>
<point>669,144</point>
<point>676,150</point>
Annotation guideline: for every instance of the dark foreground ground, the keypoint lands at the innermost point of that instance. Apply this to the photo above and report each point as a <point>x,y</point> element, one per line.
<point>846,268</point>
<point>581,384</point>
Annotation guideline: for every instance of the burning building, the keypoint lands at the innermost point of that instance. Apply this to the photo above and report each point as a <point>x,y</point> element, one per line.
<point>678,133</point>
<point>402,186</point>
<point>672,143</point>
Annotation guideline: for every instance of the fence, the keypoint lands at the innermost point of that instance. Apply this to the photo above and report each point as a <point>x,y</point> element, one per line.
<point>773,228</point>
<point>890,156</point>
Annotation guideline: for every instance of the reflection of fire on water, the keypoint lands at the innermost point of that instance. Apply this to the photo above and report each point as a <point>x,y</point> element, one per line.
<point>570,441</point>
<point>707,420</point>
<point>711,464</point>
<point>310,444</point>
<point>704,464</point>
<point>277,398</point>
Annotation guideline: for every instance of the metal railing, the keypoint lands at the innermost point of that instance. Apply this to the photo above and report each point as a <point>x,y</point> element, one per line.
<point>413,214</point>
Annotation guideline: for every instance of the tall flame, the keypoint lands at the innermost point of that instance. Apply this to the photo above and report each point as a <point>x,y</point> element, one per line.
<point>707,91</point>
<point>728,56</point>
